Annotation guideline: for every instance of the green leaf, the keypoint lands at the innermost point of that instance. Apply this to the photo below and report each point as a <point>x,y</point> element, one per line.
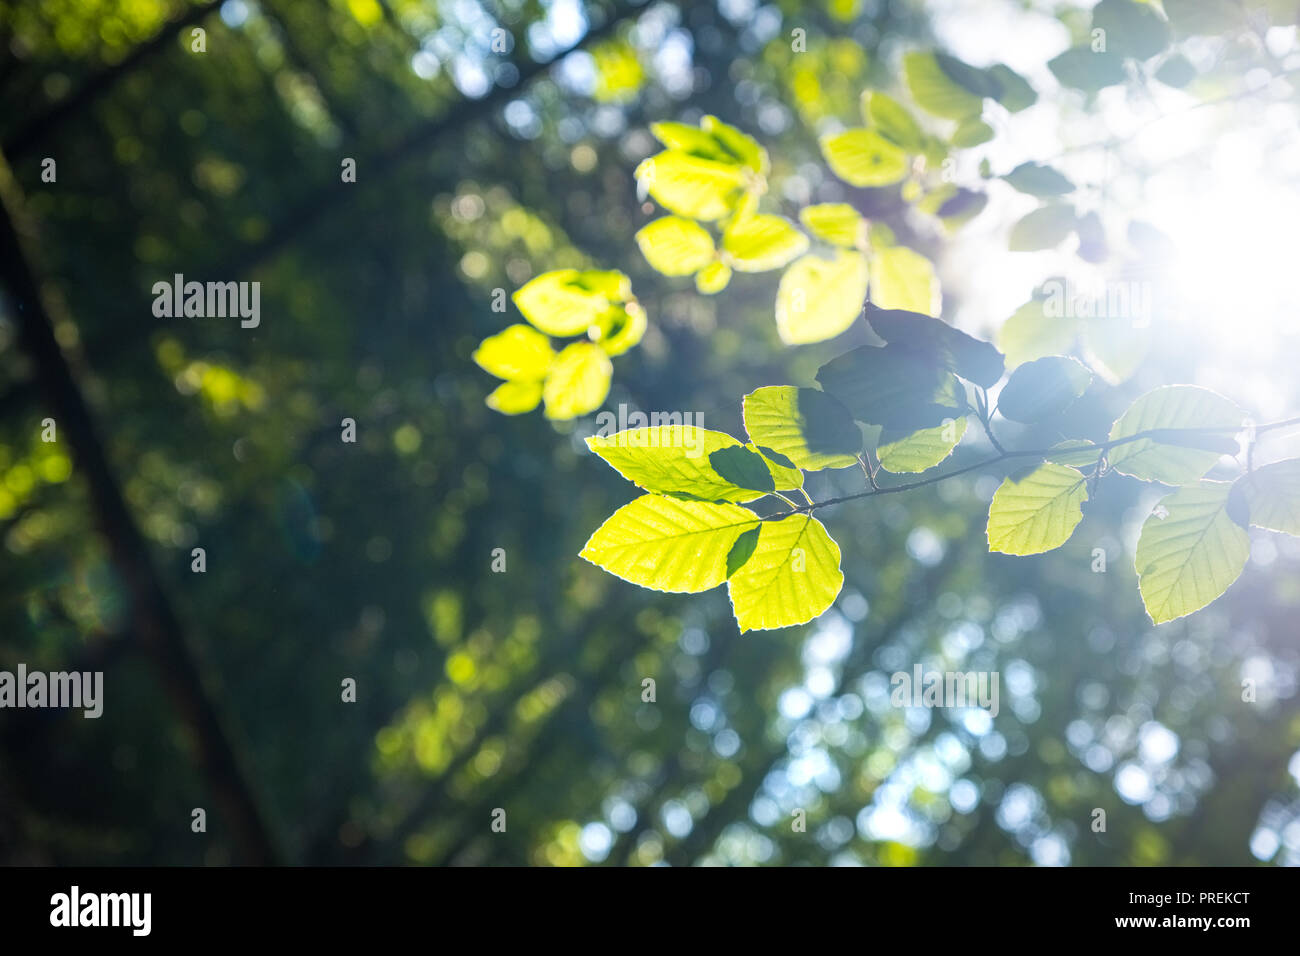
<point>1039,180</point>
<point>921,450</point>
<point>1044,228</point>
<point>515,398</point>
<point>679,460</point>
<point>971,358</point>
<point>578,383</point>
<point>835,222</point>
<point>742,551</point>
<point>791,577</point>
<point>894,388</point>
<point>1116,347</point>
<point>1030,333</point>
<point>760,243</point>
<point>713,278</point>
<point>690,185</point>
<point>1043,388</point>
<point>863,158</point>
<point>1192,555</point>
<point>785,475</point>
<point>971,131</point>
<point>1272,496</point>
<point>1132,29</point>
<point>820,298</point>
<point>955,205</point>
<point>1204,17</point>
<point>690,139</point>
<point>621,328</point>
<point>743,147</point>
<point>517,352</point>
<point>903,279</point>
<point>935,91</point>
<point>891,120</point>
<point>566,302</point>
<point>675,246</point>
<point>743,467</point>
<point>810,428</point>
<point>1092,238</point>
<point>1038,512</point>
<point>667,544</point>
<point>1172,407</point>
<point>1013,91</point>
<point>969,78</point>
<point>1082,69</point>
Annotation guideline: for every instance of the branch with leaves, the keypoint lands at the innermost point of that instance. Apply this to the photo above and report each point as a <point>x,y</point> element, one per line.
<point>688,532</point>
<point>900,407</point>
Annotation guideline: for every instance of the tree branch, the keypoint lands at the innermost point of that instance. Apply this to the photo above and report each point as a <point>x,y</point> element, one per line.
<point>157,627</point>
<point>31,133</point>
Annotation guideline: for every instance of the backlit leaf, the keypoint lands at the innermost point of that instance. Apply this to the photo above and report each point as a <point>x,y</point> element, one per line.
<point>1172,407</point>
<point>668,544</point>
<point>791,577</point>
<point>1038,511</point>
<point>861,157</point>
<point>1190,551</point>
<point>808,427</point>
<point>675,246</point>
<point>578,382</point>
<point>820,298</point>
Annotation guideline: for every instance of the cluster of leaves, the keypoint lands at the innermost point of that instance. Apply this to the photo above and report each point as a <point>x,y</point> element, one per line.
<point>903,407</point>
<point>713,175</point>
<point>594,306</point>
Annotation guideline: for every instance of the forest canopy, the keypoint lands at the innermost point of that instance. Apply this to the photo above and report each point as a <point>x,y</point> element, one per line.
<point>612,433</point>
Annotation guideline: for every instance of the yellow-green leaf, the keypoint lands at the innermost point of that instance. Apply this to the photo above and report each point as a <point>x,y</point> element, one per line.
<point>675,246</point>
<point>621,328</point>
<point>1272,496</point>
<point>1116,347</point>
<point>861,157</point>
<point>835,222</point>
<point>668,544</point>
<point>760,243</point>
<point>559,304</point>
<point>672,460</point>
<point>740,145</point>
<point>1043,228</point>
<point>820,298</point>
<point>517,352</point>
<point>785,476</point>
<point>691,185</point>
<point>934,91</point>
<point>891,120</point>
<point>1031,334</point>
<point>1174,407</point>
<point>921,450</point>
<point>808,427</point>
<point>1038,512</point>
<point>1189,551</point>
<point>791,577</point>
<point>904,279</point>
<point>579,381</point>
<point>515,398</point>
<point>713,278</point>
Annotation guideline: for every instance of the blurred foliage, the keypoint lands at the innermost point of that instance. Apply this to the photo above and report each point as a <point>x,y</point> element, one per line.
<point>522,689</point>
